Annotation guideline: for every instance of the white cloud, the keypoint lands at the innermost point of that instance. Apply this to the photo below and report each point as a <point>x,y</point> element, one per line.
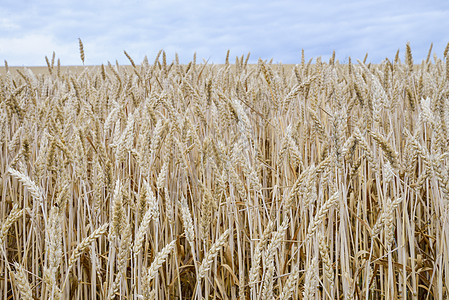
<point>278,29</point>
<point>8,25</point>
<point>32,49</point>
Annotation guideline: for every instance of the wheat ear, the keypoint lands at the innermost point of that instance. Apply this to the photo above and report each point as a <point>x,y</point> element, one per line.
<point>28,183</point>
<point>212,254</point>
<point>319,217</point>
<point>160,258</point>
<point>151,214</point>
<point>311,281</point>
<point>81,50</point>
<point>278,236</point>
<point>327,263</point>
<point>86,243</point>
<point>290,284</point>
<point>23,284</point>
<point>187,221</point>
<point>13,216</point>
<point>255,268</point>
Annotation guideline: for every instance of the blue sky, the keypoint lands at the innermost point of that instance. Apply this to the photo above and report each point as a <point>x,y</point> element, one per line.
<point>30,30</point>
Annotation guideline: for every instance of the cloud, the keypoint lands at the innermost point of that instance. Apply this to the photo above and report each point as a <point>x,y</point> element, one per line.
<point>269,29</point>
<point>31,50</point>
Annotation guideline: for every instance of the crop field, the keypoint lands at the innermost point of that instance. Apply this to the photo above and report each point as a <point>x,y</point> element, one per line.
<point>162,180</point>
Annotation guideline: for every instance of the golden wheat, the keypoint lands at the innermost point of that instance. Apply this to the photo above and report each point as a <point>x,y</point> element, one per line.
<point>319,180</point>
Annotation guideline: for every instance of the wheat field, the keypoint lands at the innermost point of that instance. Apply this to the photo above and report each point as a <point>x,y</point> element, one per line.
<point>159,180</point>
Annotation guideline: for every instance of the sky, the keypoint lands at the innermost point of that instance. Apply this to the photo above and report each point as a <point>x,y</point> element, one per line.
<point>278,30</point>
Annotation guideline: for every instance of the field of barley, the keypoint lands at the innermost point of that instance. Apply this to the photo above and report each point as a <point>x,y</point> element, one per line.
<point>159,180</point>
